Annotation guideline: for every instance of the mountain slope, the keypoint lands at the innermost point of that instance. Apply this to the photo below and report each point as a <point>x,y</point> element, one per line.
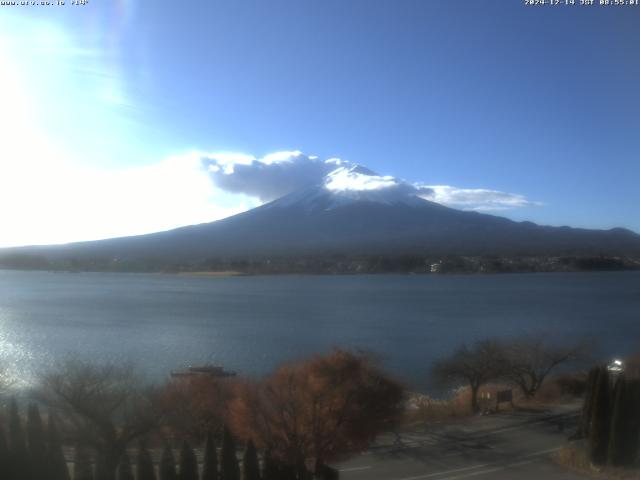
<point>353,211</point>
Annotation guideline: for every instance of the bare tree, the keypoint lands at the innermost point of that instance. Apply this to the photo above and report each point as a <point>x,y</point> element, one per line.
<point>529,360</point>
<point>101,406</point>
<point>475,365</point>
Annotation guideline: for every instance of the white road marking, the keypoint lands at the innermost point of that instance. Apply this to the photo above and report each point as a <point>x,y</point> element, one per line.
<point>490,470</point>
<point>355,469</point>
<point>495,468</point>
<point>436,474</point>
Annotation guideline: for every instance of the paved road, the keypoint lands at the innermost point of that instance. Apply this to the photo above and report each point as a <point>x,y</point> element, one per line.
<point>505,446</point>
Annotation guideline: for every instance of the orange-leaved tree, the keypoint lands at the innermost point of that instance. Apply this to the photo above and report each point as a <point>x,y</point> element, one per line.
<point>195,405</point>
<point>318,410</point>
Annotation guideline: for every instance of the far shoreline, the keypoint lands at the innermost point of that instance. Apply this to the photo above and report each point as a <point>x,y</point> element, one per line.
<point>234,273</point>
<point>209,273</point>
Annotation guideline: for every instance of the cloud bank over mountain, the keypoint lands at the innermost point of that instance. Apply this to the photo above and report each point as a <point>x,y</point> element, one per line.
<point>477,199</point>
<point>88,203</point>
<point>266,178</point>
<point>280,173</point>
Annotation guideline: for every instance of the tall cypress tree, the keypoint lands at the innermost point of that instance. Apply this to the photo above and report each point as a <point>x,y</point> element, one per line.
<point>81,464</point>
<point>19,456</point>
<point>5,464</point>
<point>37,445</point>
<point>57,463</point>
<point>587,406</point>
<point>325,472</point>
<point>100,470</point>
<point>210,461</point>
<point>168,465</point>
<point>250,463</point>
<point>600,419</point>
<point>625,424</point>
<point>286,471</point>
<point>144,466</point>
<point>619,417</point>
<point>632,439</point>
<point>16,435</point>
<point>124,468</point>
<point>269,467</point>
<point>229,468</point>
<point>188,463</point>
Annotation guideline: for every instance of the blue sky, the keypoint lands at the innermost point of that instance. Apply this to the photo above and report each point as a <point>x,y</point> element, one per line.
<point>107,105</point>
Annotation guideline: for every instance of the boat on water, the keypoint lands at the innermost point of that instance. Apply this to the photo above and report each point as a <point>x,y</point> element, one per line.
<point>214,371</point>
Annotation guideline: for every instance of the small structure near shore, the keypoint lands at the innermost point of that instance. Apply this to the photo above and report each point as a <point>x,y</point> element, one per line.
<point>214,371</point>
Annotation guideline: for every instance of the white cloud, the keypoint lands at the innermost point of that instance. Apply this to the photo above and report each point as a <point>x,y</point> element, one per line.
<point>45,198</point>
<point>479,199</point>
<point>266,178</point>
<point>280,173</point>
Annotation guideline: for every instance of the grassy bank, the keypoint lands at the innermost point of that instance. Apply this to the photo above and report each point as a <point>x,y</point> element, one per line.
<point>559,389</point>
<point>574,458</point>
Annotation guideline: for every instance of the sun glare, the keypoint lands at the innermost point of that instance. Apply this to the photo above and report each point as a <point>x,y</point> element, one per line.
<point>49,192</point>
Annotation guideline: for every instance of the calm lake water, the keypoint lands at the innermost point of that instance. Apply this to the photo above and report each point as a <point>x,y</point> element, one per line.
<point>251,324</point>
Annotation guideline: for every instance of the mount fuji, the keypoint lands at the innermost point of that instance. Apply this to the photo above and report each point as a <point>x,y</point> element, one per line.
<point>351,211</point>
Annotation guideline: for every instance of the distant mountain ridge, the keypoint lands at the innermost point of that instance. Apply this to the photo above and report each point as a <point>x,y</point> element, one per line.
<point>352,211</point>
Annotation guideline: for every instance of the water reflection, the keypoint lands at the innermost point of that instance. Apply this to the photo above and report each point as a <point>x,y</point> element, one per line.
<point>162,323</point>
<point>16,359</point>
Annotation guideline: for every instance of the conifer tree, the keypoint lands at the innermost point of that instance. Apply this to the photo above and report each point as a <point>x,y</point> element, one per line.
<point>210,461</point>
<point>250,463</point>
<point>587,406</point>
<point>625,423</point>
<point>19,456</point>
<point>600,419</point>
<point>124,468</point>
<point>100,470</point>
<point>168,465</point>
<point>325,472</point>
<point>269,467</point>
<point>81,464</point>
<point>188,463</point>
<point>144,467</point>
<point>286,472</point>
<point>56,462</point>
<point>37,446</point>
<point>632,439</point>
<point>619,421</point>
<point>16,435</point>
<point>229,468</point>
<point>4,456</point>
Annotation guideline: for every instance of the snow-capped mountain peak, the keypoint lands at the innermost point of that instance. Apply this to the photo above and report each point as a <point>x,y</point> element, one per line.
<point>348,184</point>
<point>351,210</point>
<point>358,178</point>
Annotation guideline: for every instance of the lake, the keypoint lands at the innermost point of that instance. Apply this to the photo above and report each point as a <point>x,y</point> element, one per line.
<point>252,324</point>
